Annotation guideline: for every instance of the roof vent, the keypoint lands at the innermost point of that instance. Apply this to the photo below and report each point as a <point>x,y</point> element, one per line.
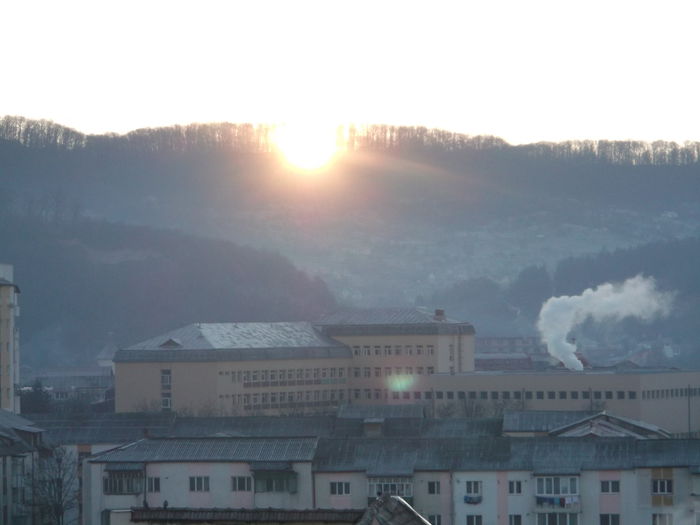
<point>171,343</point>
<point>439,314</point>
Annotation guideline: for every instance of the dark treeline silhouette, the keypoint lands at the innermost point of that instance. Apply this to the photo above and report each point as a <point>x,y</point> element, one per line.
<point>249,138</point>
<point>84,279</point>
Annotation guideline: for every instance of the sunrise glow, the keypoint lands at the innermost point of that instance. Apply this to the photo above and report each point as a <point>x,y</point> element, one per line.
<point>307,147</point>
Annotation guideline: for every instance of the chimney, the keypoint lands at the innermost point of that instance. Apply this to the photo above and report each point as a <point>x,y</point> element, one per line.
<point>439,314</point>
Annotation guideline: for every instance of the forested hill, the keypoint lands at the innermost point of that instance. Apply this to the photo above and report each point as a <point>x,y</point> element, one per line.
<point>406,211</point>
<point>83,279</point>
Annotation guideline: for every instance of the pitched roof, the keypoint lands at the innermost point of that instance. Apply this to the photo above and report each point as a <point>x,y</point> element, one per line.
<point>109,428</point>
<point>235,341</point>
<point>604,424</point>
<point>211,449</point>
<point>541,420</point>
<point>177,515</point>
<point>348,321</point>
<point>361,316</point>
<point>356,411</point>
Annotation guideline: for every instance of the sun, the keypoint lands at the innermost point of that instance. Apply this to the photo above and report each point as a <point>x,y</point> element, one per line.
<point>307,147</point>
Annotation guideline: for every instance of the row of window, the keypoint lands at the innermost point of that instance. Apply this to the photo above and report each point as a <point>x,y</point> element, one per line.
<point>132,483</point>
<point>389,371</point>
<point>666,393</point>
<point>291,374</point>
<point>276,398</point>
<point>393,350</point>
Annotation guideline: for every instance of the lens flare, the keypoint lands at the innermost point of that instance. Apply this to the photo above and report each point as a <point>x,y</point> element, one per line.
<point>400,383</point>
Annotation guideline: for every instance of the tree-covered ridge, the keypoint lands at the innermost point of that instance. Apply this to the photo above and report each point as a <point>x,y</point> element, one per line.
<point>83,279</point>
<point>249,138</point>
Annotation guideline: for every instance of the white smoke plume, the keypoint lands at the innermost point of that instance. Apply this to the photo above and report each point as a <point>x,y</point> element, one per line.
<point>636,297</point>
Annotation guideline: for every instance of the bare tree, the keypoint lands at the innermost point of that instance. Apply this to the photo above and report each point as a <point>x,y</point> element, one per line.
<point>54,486</point>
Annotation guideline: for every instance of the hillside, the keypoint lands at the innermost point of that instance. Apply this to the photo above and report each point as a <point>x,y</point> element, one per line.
<point>83,279</point>
<point>405,212</point>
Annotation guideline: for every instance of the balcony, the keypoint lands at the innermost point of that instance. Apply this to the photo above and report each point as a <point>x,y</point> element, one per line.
<point>472,499</point>
<point>570,503</point>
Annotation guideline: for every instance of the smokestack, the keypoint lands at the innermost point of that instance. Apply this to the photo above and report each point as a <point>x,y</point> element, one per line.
<point>636,297</point>
<point>439,314</point>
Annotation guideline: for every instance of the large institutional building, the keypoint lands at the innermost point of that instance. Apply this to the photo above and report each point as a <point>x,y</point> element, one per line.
<point>9,340</point>
<point>376,356</point>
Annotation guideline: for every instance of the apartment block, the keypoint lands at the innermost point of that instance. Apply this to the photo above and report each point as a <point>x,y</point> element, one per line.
<point>9,341</point>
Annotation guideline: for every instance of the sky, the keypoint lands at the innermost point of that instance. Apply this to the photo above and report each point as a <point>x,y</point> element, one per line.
<point>526,71</point>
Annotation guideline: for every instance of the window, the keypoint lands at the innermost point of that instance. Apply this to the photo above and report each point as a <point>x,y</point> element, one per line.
<point>474,519</point>
<point>562,394</point>
<point>153,484</point>
<point>662,486</point>
<point>662,519</point>
<point>166,402</point>
<point>515,519</point>
<point>609,487</point>
<point>123,483</point>
<point>377,372</point>
<point>276,482</point>
<point>528,394</point>
<point>608,394</point>
<point>473,488</point>
<point>557,486</point>
<point>368,372</point>
<point>609,519</point>
<point>574,394</point>
<point>340,488</point>
<point>433,487</point>
<point>515,487</point>
<point>550,394</point>
<point>557,518</point>
<point>585,394</point>
<point>632,394</point>
<point>435,519</point>
<point>431,370</point>
<point>241,483</point>
<point>540,394</point>
<point>621,394</point>
<point>597,394</point>
<point>199,483</point>
<point>395,486</point>
<point>165,379</point>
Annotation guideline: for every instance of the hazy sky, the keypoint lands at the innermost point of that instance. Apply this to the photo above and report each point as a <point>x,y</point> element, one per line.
<point>525,70</point>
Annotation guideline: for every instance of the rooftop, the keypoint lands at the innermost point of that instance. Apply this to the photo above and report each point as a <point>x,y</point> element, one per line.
<point>235,341</point>
<point>211,449</point>
<point>372,321</point>
<point>176,515</point>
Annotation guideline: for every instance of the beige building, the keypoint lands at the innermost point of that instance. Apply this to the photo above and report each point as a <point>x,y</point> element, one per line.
<point>9,340</point>
<point>376,356</point>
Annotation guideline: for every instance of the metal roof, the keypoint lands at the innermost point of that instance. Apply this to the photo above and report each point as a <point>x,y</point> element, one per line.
<point>235,342</point>
<point>363,316</point>
<point>221,336</point>
<point>370,411</point>
<point>541,420</point>
<point>178,515</point>
<point>211,449</point>
<point>388,321</point>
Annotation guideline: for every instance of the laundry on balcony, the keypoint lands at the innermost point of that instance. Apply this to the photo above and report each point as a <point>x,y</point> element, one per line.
<point>562,502</point>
